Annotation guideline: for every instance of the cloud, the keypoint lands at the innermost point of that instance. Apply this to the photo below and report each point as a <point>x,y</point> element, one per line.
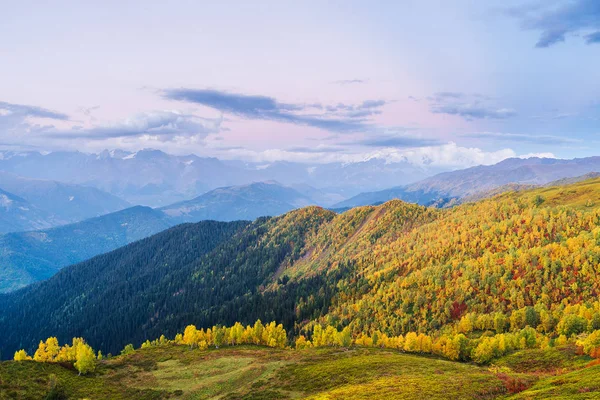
<point>88,110</point>
<point>395,141</point>
<point>23,111</point>
<point>467,107</point>
<point>593,38</point>
<point>451,95</point>
<point>473,111</point>
<point>349,81</point>
<point>317,149</point>
<point>338,118</point>
<point>446,156</point>
<point>155,123</point>
<point>537,155</point>
<point>18,120</point>
<point>555,21</point>
<point>522,137</point>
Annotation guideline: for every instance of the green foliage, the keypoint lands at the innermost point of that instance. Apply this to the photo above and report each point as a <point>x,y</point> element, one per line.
<point>538,200</point>
<point>571,325</point>
<point>128,349</point>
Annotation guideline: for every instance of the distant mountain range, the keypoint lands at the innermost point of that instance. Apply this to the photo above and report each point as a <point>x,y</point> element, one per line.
<point>449,187</point>
<point>157,179</point>
<point>34,203</point>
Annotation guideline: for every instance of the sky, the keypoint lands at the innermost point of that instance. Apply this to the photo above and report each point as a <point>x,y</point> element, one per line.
<point>448,84</point>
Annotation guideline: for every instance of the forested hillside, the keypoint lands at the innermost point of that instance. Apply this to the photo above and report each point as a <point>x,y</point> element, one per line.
<point>503,270</point>
<point>117,296</point>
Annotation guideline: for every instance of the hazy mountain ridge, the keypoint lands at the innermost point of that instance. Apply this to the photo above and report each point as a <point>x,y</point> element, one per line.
<point>244,202</point>
<point>17,214</point>
<point>66,202</point>
<point>154,178</point>
<point>475,181</point>
<point>29,204</point>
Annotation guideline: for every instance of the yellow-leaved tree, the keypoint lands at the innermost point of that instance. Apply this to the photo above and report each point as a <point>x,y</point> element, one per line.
<point>21,355</point>
<point>86,359</point>
<point>190,335</point>
<point>48,351</point>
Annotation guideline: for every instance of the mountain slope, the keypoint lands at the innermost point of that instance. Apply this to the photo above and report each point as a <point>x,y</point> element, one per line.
<point>145,276</point>
<point>252,372</point>
<point>27,257</point>
<point>473,183</point>
<point>536,171</point>
<point>523,258</point>
<point>245,202</point>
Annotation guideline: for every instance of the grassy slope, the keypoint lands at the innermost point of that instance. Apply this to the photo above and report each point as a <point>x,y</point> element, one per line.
<point>580,384</point>
<point>249,372</point>
<point>257,373</point>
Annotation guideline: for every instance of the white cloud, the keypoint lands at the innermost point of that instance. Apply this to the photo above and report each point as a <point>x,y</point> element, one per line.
<point>538,155</point>
<point>447,156</point>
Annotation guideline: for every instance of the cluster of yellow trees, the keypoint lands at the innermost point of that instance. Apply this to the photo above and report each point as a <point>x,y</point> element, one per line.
<point>84,358</point>
<point>454,346</point>
<point>271,334</point>
<point>79,352</point>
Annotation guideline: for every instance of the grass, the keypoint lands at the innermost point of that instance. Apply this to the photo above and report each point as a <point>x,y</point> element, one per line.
<point>256,373</point>
<point>576,385</point>
<point>549,361</point>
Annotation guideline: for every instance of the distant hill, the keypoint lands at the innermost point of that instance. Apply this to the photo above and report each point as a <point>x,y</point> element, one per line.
<point>379,197</point>
<point>27,257</point>
<point>473,182</point>
<point>51,203</point>
<point>245,202</point>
